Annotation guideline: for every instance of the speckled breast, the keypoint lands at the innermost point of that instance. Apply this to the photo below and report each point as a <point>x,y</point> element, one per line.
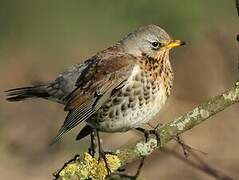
<point>138,101</point>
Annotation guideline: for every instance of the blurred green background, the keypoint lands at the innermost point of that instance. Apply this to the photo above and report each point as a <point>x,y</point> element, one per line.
<point>39,39</point>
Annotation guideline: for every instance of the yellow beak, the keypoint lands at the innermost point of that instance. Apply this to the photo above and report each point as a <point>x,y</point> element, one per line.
<point>174,43</point>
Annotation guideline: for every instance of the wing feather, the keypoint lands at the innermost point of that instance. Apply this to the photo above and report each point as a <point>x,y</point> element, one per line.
<point>75,117</point>
<point>95,87</point>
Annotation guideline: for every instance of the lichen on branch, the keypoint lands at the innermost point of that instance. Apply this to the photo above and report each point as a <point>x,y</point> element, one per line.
<point>87,167</point>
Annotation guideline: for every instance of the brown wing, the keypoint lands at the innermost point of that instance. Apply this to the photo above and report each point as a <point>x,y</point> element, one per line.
<point>105,73</point>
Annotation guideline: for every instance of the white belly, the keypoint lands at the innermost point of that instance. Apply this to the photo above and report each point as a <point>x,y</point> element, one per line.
<point>132,106</point>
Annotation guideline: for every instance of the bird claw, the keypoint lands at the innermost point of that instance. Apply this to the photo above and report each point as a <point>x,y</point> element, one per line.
<point>102,155</point>
<point>157,136</point>
<point>147,133</point>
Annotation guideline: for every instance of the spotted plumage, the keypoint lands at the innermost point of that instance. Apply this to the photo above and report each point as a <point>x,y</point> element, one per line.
<point>120,88</point>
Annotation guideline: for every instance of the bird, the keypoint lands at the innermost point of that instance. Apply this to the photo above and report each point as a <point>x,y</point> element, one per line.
<point>118,89</point>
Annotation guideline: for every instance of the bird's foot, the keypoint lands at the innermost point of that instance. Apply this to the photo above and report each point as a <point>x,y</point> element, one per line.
<point>157,136</point>
<point>57,174</point>
<point>147,133</point>
<point>102,155</point>
<point>91,151</point>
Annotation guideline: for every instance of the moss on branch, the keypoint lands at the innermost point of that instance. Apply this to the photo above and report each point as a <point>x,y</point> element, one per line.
<point>87,167</point>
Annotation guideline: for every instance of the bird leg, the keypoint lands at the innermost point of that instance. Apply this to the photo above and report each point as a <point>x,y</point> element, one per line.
<point>92,144</point>
<point>179,140</point>
<point>102,154</point>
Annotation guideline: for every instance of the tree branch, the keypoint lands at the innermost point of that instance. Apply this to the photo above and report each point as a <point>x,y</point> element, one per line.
<point>237,6</point>
<point>87,167</point>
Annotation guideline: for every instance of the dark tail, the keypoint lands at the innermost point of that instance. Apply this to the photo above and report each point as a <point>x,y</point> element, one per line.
<point>19,94</point>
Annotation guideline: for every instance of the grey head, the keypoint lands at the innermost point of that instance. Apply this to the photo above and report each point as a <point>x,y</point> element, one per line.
<point>150,40</point>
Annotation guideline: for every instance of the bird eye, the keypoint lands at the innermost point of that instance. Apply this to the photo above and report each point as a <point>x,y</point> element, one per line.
<point>156,44</point>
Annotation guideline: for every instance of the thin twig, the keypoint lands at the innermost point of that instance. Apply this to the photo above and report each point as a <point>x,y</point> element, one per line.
<point>140,167</point>
<point>200,164</point>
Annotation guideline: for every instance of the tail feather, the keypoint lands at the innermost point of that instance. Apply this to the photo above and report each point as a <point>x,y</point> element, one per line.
<point>19,94</point>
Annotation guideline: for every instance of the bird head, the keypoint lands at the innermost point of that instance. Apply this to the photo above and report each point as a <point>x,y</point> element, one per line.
<point>150,40</point>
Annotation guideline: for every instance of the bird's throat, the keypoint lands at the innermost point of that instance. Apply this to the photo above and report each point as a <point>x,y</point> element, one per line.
<point>159,69</point>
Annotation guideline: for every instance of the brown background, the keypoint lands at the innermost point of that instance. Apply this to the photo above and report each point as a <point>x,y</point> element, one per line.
<point>39,39</point>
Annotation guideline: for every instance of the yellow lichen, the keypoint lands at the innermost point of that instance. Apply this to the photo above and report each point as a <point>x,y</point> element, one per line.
<point>90,168</point>
<point>114,162</point>
<point>69,170</point>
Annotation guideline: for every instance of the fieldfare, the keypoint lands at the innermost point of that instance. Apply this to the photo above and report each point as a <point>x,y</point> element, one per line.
<point>118,89</point>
